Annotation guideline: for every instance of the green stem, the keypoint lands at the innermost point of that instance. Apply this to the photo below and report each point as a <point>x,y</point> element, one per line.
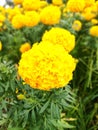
<point>97,58</point>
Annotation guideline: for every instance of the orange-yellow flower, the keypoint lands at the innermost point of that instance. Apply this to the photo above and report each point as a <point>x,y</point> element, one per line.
<point>77,25</point>
<point>25,47</point>
<point>32,18</point>
<point>17,1</point>
<point>94,31</point>
<point>57,2</point>
<point>46,66</point>
<point>94,21</point>
<point>90,12</point>
<point>31,4</point>
<point>50,15</point>
<point>76,5</point>
<point>89,3</point>
<point>60,36</point>
<point>18,21</point>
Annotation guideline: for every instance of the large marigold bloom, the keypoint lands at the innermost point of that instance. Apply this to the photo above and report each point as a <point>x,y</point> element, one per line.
<point>32,18</point>
<point>76,5</point>
<point>50,15</point>
<point>31,4</point>
<point>94,31</point>
<point>46,66</point>
<point>60,36</point>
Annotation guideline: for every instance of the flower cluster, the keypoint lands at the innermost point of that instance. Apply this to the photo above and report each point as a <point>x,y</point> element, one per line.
<point>46,69</point>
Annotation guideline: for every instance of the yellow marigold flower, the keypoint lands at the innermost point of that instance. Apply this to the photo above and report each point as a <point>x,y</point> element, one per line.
<point>57,2</point>
<point>94,31</point>
<point>20,96</point>
<point>32,18</point>
<point>43,4</point>
<point>0,45</point>
<point>18,1</point>
<point>18,21</point>
<point>50,15</point>
<point>11,12</point>
<point>46,66</point>
<point>31,4</point>
<point>76,5</point>
<point>89,3</point>
<point>94,21</point>
<point>2,17</point>
<point>2,10</point>
<point>90,12</point>
<point>60,36</point>
<point>77,25</point>
<point>25,47</point>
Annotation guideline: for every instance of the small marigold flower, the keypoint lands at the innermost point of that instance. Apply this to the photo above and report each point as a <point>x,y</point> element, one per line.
<point>57,2</point>
<point>18,21</point>
<point>31,4</point>
<point>76,5</point>
<point>32,18</point>
<point>25,47</point>
<point>60,36</point>
<point>0,45</point>
<point>50,15</point>
<point>17,1</point>
<point>20,96</point>
<point>77,25</point>
<point>94,21</point>
<point>94,31</point>
<point>46,66</point>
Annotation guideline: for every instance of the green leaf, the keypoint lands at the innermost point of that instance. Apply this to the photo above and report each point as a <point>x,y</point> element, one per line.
<point>44,107</point>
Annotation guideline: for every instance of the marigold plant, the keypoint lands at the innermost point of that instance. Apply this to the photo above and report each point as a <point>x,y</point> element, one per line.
<point>46,69</point>
<point>60,36</point>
